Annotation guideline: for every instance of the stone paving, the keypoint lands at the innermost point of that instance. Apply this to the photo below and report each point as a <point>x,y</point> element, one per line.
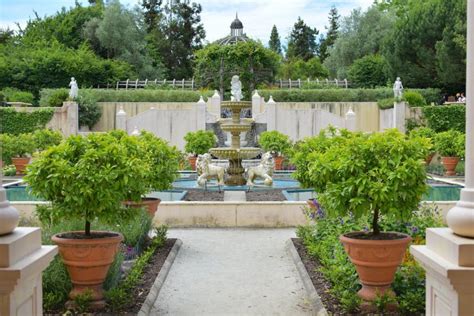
<point>232,272</point>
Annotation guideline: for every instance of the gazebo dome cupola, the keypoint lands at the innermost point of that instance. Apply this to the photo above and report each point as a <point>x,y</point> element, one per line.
<point>236,27</point>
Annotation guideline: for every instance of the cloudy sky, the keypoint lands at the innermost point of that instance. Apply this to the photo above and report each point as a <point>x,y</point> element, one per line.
<point>258,16</point>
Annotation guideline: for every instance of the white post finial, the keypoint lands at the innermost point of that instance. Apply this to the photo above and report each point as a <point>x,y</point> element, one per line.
<point>256,95</point>
<point>135,132</point>
<point>270,100</point>
<point>121,111</point>
<point>201,100</point>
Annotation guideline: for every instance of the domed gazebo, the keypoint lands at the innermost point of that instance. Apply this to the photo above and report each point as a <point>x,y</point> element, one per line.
<point>236,33</point>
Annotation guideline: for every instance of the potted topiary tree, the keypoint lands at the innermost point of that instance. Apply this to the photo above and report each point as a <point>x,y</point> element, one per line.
<point>198,143</point>
<point>277,143</point>
<point>429,134</point>
<point>86,178</point>
<point>450,145</point>
<point>20,147</point>
<point>45,138</point>
<point>381,175</point>
<point>161,162</point>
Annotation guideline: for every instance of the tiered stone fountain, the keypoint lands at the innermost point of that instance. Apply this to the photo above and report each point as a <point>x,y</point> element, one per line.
<point>236,126</point>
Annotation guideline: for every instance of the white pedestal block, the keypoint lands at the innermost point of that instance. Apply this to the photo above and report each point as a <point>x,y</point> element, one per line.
<point>449,263</point>
<point>22,261</point>
<point>399,116</point>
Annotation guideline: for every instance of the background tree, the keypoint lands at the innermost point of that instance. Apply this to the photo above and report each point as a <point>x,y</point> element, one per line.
<point>300,69</point>
<point>302,41</point>
<point>369,71</point>
<point>274,44</point>
<point>331,35</point>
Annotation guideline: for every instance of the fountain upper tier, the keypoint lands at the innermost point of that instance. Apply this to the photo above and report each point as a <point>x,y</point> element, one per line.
<point>236,107</point>
<point>235,153</point>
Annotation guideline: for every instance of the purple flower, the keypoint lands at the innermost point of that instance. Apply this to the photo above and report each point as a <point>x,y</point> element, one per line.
<point>366,229</point>
<point>414,229</point>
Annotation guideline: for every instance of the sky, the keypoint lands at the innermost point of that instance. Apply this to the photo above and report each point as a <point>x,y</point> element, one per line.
<point>257,16</point>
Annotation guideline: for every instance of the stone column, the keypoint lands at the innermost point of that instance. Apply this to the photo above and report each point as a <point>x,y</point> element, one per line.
<point>256,104</point>
<point>350,120</point>
<point>216,104</point>
<point>72,118</point>
<point>271,114</point>
<point>399,109</point>
<point>121,119</point>
<point>448,256</point>
<point>200,114</point>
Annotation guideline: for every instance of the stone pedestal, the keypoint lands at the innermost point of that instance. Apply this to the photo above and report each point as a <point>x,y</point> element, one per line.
<point>449,263</point>
<point>399,116</point>
<point>22,261</point>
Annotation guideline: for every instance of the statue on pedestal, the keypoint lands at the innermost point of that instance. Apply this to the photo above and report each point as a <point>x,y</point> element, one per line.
<point>74,91</point>
<point>398,89</point>
<point>236,88</point>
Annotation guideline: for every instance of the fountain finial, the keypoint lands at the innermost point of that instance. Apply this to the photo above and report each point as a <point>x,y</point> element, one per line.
<point>236,88</point>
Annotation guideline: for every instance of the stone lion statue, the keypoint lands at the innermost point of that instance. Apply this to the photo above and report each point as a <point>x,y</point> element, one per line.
<point>263,170</point>
<point>206,170</point>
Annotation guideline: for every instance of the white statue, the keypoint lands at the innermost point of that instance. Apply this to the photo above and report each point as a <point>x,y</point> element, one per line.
<point>74,91</point>
<point>236,89</point>
<point>398,89</point>
<point>263,170</point>
<point>207,171</point>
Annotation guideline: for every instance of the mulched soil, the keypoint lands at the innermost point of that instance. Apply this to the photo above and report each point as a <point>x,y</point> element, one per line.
<point>323,286</point>
<point>371,236</point>
<point>265,195</point>
<point>202,195</point>
<point>139,294</point>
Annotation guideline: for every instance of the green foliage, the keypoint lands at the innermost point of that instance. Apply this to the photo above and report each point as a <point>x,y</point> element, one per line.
<point>39,65</point>
<point>15,95</point>
<point>275,141</point>
<point>56,285</point>
<point>22,145</point>
<point>9,170</point>
<point>69,174</point>
<point>386,103</point>
<point>199,142</point>
<point>424,132</point>
<point>298,68</point>
<point>53,97</point>
<point>18,122</point>
<point>328,41</point>
<point>321,239</point>
<point>83,301</point>
<point>450,143</point>
<point>89,111</point>
<point>414,99</point>
<point>216,64</point>
<point>118,296</point>
<point>45,138</point>
<point>369,71</point>
<point>443,118</point>
<point>379,173</point>
<point>143,95</point>
<point>302,41</point>
<point>274,43</point>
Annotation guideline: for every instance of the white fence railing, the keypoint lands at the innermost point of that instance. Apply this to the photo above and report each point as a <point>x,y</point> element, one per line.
<point>298,83</point>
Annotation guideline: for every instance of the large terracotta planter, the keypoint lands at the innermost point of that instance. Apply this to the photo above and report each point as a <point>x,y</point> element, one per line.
<point>278,162</point>
<point>87,261</point>
<point>450,164</point>
<point>20,164</point>
<point>376,262</point>
<point>192,162</point>
<point>151,205</point>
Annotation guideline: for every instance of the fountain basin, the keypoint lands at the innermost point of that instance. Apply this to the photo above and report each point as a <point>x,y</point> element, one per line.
<point>235,153</point>
<point>236,105</point>
<point>235,128</point>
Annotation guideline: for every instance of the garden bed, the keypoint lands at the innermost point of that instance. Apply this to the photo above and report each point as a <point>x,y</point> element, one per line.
<point>203,195</point>
<point>265,195</point>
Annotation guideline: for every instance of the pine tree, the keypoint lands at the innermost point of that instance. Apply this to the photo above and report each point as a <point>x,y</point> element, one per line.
<point>274,42</point>
<point>152,13</point>
<point>302,41</point>
<point>331,36</point>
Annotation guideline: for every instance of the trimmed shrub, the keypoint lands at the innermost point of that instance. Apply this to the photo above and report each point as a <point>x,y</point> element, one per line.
<point>443,118</point>
<point>275,141</point>
<point>369,71</point>
<point>414,99</point>
<point>15,95</point>
<point>15,122</point>
<point>89,111</point>
<point>385,103</point>
<point>199,142</point>
<point>53,97</point>
<point>341,95</point>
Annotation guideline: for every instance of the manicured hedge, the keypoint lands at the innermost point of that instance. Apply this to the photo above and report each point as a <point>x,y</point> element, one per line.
<point>15,122</point>
<point>443,118</point>
<point>342,95</point>
<point>139,95</point>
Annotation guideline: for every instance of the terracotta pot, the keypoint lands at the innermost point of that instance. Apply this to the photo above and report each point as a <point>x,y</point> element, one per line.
<point>450,164</point>
<point>192,162</point>
<point>150,203</point>
<point>278,162</point>
<point>376,262</point>
<point>87,261</point>
<point>20,164</point>
<point>429,158</point>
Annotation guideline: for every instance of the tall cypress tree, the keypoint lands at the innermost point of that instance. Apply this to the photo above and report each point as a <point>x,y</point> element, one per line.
<point>274,43</point>
<point>331,35</point>
<point>302,41</point>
